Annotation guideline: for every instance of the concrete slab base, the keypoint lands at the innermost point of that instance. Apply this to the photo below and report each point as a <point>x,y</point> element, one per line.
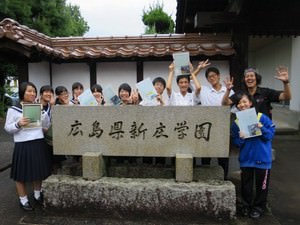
<point>149,197</point>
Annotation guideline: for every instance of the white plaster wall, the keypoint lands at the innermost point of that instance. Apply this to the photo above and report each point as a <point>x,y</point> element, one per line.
<point>39,74</point>
<point>116,73</point>
<point>67,73</point>
<point>294,74</point>
<point>268,58</point>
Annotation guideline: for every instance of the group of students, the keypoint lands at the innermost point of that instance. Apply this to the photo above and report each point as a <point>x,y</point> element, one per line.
<point>31,161</point>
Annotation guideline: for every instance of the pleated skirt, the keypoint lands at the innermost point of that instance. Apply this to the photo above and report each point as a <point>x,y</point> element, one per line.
<point>31,161</point>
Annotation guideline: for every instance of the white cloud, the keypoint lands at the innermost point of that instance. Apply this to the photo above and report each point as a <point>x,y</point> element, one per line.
<point>118,17</point>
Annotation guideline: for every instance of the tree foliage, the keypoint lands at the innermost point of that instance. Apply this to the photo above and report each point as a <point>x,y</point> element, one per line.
<point>157,21</point>
<point>51,17</point>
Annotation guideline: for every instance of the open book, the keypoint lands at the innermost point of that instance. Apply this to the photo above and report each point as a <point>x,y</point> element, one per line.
<point>146,89</point>
<point>247,122</point>
<point>33,112</point>
<point>181,63</point>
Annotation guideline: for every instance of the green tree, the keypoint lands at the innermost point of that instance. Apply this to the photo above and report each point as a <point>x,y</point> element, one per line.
<point>157,21</point>
<point>51,17</point>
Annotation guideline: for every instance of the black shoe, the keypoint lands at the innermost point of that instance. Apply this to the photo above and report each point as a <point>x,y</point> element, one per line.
<point>245,211</point>
<point>255,214</point>
<point>26,206</point>
<point>39,200</point>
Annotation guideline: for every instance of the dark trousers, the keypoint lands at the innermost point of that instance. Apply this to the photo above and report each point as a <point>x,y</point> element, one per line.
<point>223,162</point>
<point>262,179</point>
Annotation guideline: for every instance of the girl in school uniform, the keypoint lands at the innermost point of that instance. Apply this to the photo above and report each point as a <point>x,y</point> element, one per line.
<point>128,96</point>
<point>30,162</point>
<point>47,98</point>
<point>77,89</point>
<point>96,90</point>
<point>62,96</point>
<point>255,159</point>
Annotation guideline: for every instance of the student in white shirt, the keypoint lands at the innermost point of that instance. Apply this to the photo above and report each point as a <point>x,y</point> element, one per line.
<point>159,84</point>
<point>212,96</point>
<point>183,97</point>
<point>30,162</point>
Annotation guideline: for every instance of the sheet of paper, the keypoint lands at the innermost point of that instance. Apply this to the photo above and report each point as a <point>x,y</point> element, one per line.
<point>110,96</point>
<point>146,89</point>
<point>87,98</point>
<point>247,122</point>
<point>181,63</point>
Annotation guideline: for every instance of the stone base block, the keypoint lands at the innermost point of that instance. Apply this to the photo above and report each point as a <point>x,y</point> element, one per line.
<point>93,166</point>
<point>184,168</point>
<point>148,197</point>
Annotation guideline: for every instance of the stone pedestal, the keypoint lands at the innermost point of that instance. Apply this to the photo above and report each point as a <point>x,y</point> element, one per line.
<point>149,197</point>
<point>184,167</point>
<point>93,166</point>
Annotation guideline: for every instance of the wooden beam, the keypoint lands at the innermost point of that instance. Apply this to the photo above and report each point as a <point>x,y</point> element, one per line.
<point>93,73</point>
<point>239,62</point>
<point>139,71</point>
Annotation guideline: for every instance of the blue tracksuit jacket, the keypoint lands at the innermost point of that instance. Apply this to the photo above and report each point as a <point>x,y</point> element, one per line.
<point>255,151</point>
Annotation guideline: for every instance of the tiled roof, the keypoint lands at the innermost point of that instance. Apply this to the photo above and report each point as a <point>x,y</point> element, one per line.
<point>109,47</point>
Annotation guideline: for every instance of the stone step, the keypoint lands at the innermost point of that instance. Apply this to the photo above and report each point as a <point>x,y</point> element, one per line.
<point>135,196</point>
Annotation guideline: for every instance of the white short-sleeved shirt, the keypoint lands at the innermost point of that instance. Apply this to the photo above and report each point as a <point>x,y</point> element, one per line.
<point>210,97</point>
<point>154,102</point>
<point>177,99</point>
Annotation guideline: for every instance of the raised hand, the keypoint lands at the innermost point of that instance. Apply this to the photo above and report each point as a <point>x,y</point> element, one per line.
<point>282,74</point>
<point>203,64</point>
<point>171,67</point>
<point>228,83</point>
<point>134,96</point>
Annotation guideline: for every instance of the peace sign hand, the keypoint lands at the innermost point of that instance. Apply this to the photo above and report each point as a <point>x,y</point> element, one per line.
<point>228,83</point>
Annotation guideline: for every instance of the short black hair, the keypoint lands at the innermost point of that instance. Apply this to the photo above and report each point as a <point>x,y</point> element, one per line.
<point>125,87</point>
<point>60,89</point>
<point>240,95</point>
<point>96,87</point>
<point>212,69</point>
<point>46,88</point>
<point>159,80</point>
<point>22,88</point>
<point>179,77</point>
<point>77,85</point>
